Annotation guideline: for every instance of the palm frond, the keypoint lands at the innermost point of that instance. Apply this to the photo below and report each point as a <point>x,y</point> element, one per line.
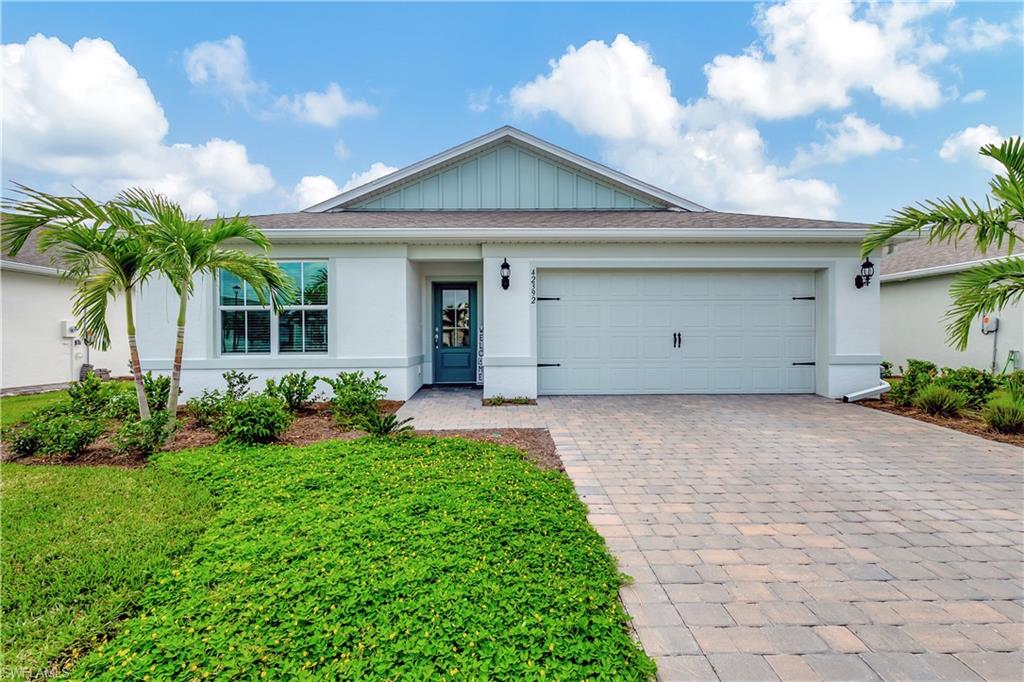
<point>984,289</point>
<point>91,301</point>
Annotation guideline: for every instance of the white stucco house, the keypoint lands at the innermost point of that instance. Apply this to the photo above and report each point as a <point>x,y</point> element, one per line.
<point>915,279</point>
<point>514,264</point>
<point>40,343</point>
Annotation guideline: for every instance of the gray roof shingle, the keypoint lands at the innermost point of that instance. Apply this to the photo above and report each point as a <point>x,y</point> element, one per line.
<point>919,255</point>
<point>710,220</point>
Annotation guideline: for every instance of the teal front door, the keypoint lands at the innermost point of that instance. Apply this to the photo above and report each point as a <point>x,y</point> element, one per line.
<point>454,333</point>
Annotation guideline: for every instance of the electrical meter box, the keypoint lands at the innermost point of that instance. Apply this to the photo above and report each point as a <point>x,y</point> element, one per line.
<point>68,329</point>
<point>989,324</point>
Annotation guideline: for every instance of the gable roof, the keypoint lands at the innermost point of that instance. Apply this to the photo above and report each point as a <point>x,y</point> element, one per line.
<point>918,258</point>
<point>29,259</point>
<point>656,197</point>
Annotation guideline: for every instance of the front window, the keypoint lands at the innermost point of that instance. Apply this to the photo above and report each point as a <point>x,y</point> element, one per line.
<point>301,326</point>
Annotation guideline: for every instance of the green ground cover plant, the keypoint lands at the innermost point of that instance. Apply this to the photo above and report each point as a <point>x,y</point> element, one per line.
<point>417,558</point>
<point>79,546</point>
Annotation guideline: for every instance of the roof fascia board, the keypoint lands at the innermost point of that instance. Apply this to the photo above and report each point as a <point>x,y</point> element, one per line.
<point>15,266</point>
<point>495,136</point>
<point>534,234</point>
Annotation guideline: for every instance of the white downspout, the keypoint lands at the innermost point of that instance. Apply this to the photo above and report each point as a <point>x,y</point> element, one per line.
<point>883,387</point>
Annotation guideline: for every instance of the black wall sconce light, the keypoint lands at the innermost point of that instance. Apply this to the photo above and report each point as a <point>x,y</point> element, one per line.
<point>506,272</point>
<point>867,271</point>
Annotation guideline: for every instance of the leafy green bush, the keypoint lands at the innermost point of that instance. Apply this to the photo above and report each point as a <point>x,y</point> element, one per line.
<point>68,434</point>
<point>208,407</point>
<point>23,440</point>
<point>940,401</point>
<point>141,437</point>
<point>885,369</point>
<point>976,384</point>
<point>919,373</point>
<point>295,389</point>
<point>1005,412</point>
<point>237,384</point>
<point>158,389</point>
<point>253,419</point>
<point>1013,383</point>
<point>384,425</point>
<point>87,395</point>
<point>380,559</point>
<point>122,405</point>
<point>355,396</point>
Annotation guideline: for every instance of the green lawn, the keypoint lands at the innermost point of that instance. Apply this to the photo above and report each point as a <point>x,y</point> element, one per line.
<point>14,408</point>
<point>79,545</point>
<point>419,559</point>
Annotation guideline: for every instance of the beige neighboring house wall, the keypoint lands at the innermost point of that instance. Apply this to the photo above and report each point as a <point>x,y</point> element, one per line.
<point>915,297</point>
<point>35,351</point>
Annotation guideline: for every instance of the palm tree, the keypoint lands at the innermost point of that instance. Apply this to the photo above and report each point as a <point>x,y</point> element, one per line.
<point>185,248</point>
<point>997,225</point>
<point>98,246</point>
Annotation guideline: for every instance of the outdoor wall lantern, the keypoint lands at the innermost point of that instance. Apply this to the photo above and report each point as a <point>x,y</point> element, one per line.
<point>867,271</point>
<point>506,272</point>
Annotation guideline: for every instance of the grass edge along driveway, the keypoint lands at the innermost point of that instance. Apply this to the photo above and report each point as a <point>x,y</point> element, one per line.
<point>419,558</point>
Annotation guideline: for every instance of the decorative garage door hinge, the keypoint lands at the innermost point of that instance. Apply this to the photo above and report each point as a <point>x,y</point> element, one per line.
<point>803,363</point>
<point>803,298</point>
<point>549,364</point>
<point>548,298</point>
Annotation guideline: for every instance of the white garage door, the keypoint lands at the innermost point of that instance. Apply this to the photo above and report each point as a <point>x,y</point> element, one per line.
<point>675,331</point>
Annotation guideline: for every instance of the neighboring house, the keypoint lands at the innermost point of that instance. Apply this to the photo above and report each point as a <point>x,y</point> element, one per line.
<point>915,297</point>
<point>610,285</point>
<point>41,346</point>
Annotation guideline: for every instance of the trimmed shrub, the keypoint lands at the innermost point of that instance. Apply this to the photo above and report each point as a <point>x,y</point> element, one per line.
<point>295,389</point>
<point>68,434</point>
<point>237,384</point>
<point>158,389</point>
<point>207,408</point>
<point>355,396</point>
<point>253,419</point>
<point>141,437</point>
<point>88,395</point>
<point>23,441</point>
<point>919,373</point>
<point>122,405</point>
<point>940,401</point>
<point>976,384</point>
<point>885,369</point>
<point>1005,413</point>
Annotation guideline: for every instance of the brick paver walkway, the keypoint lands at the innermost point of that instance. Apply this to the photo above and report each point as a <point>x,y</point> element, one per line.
<point>792,537</point>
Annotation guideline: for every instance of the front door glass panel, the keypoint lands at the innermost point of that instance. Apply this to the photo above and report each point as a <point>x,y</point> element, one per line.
<point>455,331</point>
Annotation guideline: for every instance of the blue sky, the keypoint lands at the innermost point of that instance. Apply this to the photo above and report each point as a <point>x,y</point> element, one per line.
<point>805,109</point>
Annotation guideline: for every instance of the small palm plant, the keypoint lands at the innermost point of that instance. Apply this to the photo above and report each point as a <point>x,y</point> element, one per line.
<point>386,425</point>
<point>988,287</point>
<point>185,248</point>
<point>99,246</point>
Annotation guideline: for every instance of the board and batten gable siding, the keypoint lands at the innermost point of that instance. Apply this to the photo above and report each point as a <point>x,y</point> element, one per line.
<point>505,177</point>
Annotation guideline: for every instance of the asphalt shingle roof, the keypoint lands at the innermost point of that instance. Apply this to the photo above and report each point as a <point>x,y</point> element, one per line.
<point>919,254</point>
<point>710,220</point>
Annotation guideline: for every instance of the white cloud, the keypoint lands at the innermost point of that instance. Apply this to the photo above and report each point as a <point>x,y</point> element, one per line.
<point>83,113</point>
<point>973,96</point>
<point>312,189</point>
<point>478,101</point>
<point>703,150</point>
<point>964,146</point>
<point>849,138</point>
<point>813,55</point>
<point>222,65</point>
<point>325,108</point>
<point>978,35</point>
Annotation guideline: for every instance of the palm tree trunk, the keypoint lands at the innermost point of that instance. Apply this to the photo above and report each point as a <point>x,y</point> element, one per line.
<point>133,349</point>
<point>179,349</point>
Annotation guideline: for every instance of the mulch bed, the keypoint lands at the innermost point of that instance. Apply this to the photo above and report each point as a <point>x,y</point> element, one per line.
<point>536,443</point>
<point>314,425</point>
<point>969,423</point>
<point>491,402</point>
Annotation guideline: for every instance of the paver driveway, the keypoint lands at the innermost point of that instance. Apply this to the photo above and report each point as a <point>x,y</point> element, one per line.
<point>792,537</point>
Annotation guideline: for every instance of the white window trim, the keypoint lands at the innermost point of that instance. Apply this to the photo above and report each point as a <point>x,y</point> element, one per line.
<point>274,318</point>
